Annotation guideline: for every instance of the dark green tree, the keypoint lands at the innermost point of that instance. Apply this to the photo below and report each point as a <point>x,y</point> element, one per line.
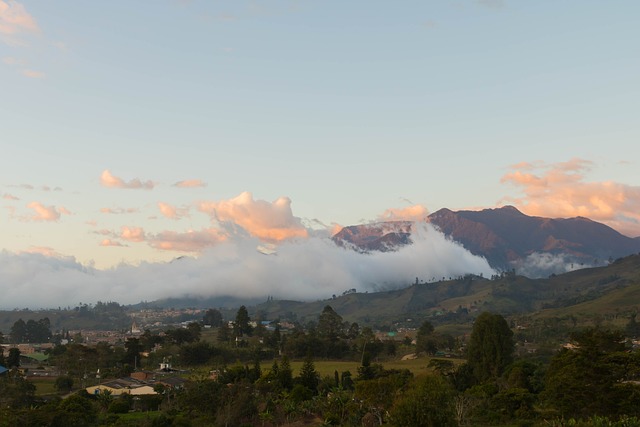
<point>132,355</point>
<point>632,329</point>
<point>13,360</point>
<point>309,377</point>
<point>490,348</point>
<point>429,402</point>
<point>196,353</point>
<point>64,383</point>
<point>241,325</point>
<point>18,331</point>
<point>15,390</point>
<point>285,374</point>
<point>592,378</point>
<point>330,324</point>
<point>425,340</point>
<point>213,318</point>
<point>224,332</point>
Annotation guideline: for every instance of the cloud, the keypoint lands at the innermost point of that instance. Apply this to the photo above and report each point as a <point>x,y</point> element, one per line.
<point>14,21</point>
<point>33,74</point>
<point>190,183</point>
<point>132,234</point>
<point>111,181</point>
<point>118,211</point>
<point>46,213</point>
<point>411,213</point>
<point>492,4</point>
<point>105,232</point>
<point>271,222</point>
<point>559,190</point>
<point>44,250</point>
<point>8,196</point>
<point>109,242</point>
<point>172,212</point>
<point>190,241</point>
<point>9,60</point>
<point>302,269</point>
<point>542,264</point>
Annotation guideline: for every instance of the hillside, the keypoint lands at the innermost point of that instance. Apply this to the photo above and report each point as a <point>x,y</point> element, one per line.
<point>611,289</point>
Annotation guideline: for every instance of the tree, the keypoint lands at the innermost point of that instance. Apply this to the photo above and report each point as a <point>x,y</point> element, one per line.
<point>598,365</point>
<point>241,326</point>
<point>134,348</point>
<point>64,383</point>
<point>425,341</point>
<point>13,360</point>
<point>429,402</point>
<point>195,330</point>
<point>309,377</point>
<point>15,390</point>
<point>18,331</point>
<point>330,324</point>
<point>491,347</point>
<point>213,318</point>
<point>224,333</point>
<point>285,375</point>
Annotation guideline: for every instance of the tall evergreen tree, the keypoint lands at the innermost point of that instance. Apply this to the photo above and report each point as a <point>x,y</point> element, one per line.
<point>241,326</point>
<point>491,347</point>
<point>330,324</point>
<point>309,377</point>
<point>285,374</point>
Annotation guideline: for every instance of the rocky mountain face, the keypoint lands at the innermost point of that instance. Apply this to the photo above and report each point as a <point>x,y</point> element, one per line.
<point>380,236</point>
<point>505,237</point>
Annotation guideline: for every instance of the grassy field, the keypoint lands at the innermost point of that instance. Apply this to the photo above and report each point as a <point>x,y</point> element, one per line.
<point>44,387</point>
<point>328,367</point>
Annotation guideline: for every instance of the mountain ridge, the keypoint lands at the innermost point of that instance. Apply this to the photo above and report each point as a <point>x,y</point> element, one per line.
<point>505,236</point>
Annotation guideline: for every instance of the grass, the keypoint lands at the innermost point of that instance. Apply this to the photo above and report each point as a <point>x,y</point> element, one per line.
<point>44,387</point>
<point>328,367</point>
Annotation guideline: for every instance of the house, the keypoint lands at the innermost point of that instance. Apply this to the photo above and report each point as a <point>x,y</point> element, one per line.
<point>142,375</point>
<point>174,383</point>
<point>122,386</point>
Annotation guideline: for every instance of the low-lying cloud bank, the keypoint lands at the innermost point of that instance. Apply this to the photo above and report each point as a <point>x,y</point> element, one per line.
<point>303,269</point>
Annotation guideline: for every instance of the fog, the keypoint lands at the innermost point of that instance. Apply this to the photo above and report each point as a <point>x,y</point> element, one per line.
<point>302,269</point>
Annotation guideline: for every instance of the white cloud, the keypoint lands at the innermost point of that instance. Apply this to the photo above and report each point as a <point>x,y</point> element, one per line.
<point>302,269</point>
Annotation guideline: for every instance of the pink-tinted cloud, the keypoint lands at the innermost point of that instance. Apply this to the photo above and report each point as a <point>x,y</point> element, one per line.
<point>105,232</point>
<point>15,20</point>
<point>132,234</point>
<point>190,241</point>
<point>8,196</point>
<point>110,242</point>
<point>118,211</point>
<point>559,190</point>
<point>46,213</point>
<point>190,183</point>
<point>271,222</point>
<point>107,179</point>
<point>411,213</point>
<point>44,250</point>
<point>172,212</point>
<point>33,74</point>
<point>10,60</point>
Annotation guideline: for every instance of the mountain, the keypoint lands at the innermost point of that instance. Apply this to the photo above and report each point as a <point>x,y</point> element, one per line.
<point>507,238</point>
<point>381,236</point>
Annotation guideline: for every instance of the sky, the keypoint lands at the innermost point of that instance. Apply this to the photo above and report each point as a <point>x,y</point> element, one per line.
<point>133,133</point>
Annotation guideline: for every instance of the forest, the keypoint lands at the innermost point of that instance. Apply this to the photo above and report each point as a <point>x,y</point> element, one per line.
<point>237,374</point>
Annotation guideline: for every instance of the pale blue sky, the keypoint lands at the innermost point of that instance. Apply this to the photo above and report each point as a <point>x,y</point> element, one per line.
<point>346,108</point>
